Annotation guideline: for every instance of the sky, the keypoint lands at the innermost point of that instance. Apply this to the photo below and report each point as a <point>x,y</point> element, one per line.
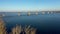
<point>20,5</point>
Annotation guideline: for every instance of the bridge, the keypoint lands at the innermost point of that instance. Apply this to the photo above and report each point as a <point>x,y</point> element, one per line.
<point>26,13</point>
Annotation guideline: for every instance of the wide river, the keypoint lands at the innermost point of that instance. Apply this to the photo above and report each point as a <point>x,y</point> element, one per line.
<point>45,24</point>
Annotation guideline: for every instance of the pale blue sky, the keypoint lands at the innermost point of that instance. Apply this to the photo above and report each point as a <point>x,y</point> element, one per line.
<point>29,5</point>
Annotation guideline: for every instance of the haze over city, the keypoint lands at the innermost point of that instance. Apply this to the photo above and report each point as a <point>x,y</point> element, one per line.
<point>29,5</point>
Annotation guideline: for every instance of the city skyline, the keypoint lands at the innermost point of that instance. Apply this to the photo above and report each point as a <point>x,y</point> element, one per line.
<point>29,5</point>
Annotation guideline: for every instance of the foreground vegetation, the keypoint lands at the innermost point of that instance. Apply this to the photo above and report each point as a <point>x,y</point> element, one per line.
<point>17,29</point>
